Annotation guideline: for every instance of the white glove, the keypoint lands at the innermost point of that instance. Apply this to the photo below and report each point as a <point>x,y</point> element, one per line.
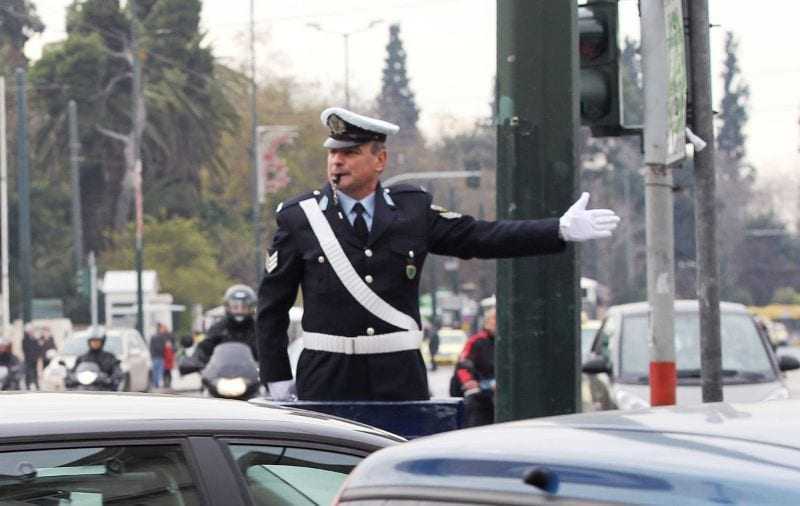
<point>578,224</point>
<point>282,390</point>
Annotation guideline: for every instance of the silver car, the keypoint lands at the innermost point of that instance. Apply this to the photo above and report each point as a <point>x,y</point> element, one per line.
<point>619,362</point>
<point>126,344</point>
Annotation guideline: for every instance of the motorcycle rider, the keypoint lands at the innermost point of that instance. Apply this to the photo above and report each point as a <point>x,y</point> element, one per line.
<point>238,324</point>
<point>107,362</point>
<point>9,360</point>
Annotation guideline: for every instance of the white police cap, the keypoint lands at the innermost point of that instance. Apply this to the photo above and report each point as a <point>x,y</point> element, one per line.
<point>349,129</point>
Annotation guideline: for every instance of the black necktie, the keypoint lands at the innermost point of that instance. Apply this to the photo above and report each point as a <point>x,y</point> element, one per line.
<point>360,224</point>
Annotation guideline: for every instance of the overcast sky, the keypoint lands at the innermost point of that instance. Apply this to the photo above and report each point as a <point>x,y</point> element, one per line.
<point>450,47</point>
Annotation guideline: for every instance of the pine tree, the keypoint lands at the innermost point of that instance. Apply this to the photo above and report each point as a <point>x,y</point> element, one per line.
<point>733,114</point>
<point>396,104</point>
<point>18,21</point>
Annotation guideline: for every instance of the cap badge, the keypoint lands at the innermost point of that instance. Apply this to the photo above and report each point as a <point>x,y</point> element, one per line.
<point>337,125</point>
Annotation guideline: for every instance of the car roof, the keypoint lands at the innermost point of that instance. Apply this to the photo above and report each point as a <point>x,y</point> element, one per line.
<point>680,305</point>
<point>713,442</point>
<point>76,415</point>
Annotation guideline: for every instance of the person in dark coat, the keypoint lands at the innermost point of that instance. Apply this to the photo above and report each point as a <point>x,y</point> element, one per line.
<point>107,362</point>
<point>46,343</point>
<point>31,353</point>
<point>157,343</point>
<point>11,363</point>
<point>475,373</point>
<point>236,326</point>
<point>357,250</point>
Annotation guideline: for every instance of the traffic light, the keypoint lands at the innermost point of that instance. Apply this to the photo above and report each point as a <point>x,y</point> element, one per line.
<point>599,58</point>
<point>472,165</point>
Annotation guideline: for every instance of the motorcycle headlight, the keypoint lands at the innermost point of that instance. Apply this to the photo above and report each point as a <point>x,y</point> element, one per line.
<point>87,377</point>
<point>778,394</point>
<point>626,400</point>
<point>231,387</point>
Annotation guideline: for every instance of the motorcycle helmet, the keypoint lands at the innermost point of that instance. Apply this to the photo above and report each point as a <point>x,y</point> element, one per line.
<point>240,302</point>
<point>96,333</point>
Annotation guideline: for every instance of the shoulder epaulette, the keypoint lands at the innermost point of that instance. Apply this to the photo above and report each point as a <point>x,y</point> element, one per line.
<point>406,188</point>
<point>297,199</point>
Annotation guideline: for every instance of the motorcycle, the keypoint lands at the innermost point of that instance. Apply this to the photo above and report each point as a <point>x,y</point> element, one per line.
<point>88,376</point>
<point>9,377</point>
<point>231,373</point>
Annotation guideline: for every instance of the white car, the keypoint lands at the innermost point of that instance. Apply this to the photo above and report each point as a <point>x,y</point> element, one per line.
<point>618,365</point>
<point>126,344</point>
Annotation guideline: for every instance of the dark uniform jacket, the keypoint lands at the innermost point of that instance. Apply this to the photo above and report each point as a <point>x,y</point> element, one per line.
<point>224,331</point>
<point>107,362</point>
<point>405,228</point>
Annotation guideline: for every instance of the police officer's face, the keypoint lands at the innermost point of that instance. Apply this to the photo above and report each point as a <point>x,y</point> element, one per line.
<point>358,169</point>
<point>95,344</point>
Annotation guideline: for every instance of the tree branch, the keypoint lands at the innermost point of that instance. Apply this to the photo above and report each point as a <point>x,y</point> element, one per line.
<point>114,135</point>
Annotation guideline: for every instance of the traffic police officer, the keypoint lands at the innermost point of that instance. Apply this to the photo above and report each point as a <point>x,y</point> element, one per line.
<point>357,250</point>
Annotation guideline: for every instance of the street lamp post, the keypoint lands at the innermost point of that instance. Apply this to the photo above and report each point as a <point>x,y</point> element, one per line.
<point>346,41</point>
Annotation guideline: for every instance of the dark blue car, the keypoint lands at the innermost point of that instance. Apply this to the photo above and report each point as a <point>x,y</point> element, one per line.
<point>712,453</point>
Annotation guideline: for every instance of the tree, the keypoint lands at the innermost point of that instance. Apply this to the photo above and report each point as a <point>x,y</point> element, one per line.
<point>188,108</point>
<point>18,21</point>
<point>396,104</point>
<point>181,254</point>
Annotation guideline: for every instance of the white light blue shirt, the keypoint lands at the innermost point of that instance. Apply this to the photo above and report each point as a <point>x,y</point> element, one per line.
<point>347,203</point>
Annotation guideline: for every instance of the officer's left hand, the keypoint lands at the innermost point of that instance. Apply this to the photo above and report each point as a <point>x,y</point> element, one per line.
<point>579,224</point>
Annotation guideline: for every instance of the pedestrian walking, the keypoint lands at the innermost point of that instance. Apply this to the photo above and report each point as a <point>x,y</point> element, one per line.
<point>31,353</point>
<point>169,364</point>
<point>157,344</point>
<point>357,249</point>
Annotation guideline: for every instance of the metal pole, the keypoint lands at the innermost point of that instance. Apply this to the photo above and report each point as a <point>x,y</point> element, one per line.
<point>74,153</point>
<point>137,104</point>
<point>660,283</point>
<point>538,351</point>
<point>24,191</point>
<point>6,306</point>
<point>705,211</point>
<point>93,287</point>
<point>346,38</point>
<point>254,147</point>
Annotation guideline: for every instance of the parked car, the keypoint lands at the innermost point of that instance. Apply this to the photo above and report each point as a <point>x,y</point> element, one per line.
<point>704,454</point>
<point>111,448</point>
<point>126,344</point>
<point>618,368</point>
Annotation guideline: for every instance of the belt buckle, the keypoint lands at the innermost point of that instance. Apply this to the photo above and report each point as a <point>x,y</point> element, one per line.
<point>350,347</point>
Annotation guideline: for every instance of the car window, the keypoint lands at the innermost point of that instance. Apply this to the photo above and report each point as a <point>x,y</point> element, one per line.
<point>283,476</point>
<point>743,350</point>
<point>98,475</point>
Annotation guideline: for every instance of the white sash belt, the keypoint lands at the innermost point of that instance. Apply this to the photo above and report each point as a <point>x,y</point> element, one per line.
<point>348,275</point>
<point>363,345</point>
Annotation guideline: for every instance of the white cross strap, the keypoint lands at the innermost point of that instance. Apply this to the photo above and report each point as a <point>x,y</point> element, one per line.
<point>363,294</point>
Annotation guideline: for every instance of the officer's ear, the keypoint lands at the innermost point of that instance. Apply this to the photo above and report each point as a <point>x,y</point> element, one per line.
<point>379,150</point>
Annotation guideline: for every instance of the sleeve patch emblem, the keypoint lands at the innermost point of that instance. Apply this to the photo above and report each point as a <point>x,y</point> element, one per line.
<point>272,262</point>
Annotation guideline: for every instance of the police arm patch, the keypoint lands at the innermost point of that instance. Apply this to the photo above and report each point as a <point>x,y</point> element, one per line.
<point>272,262</point>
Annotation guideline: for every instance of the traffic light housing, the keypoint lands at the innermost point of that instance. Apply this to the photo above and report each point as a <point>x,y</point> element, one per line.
<point>600,108</point>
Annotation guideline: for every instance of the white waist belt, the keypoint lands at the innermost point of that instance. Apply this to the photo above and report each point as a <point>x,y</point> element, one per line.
<point>363,345</point>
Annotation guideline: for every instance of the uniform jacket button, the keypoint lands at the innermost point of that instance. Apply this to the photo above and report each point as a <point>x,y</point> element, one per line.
<point>368,252</point>
<point>368,278</point>
<point>370,331</point>
<point>321,259</point>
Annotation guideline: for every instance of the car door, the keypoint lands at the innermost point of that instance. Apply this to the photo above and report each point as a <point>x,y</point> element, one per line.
<point>159,472</point>
<point>279,473</point>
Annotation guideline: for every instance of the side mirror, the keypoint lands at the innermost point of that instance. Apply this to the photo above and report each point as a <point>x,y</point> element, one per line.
<point>597,365</point>
<point>788,363</point>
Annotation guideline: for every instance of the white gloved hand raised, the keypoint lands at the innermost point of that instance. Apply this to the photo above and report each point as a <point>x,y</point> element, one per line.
<point>579,224</point>
<point>282,390</point>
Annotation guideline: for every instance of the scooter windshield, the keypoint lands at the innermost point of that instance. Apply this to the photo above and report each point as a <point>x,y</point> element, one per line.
<point>231,360</point>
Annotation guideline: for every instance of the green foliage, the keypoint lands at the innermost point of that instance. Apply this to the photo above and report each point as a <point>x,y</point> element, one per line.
<point>733,114</point>
<point>182,255</point>
<point>18,22</point>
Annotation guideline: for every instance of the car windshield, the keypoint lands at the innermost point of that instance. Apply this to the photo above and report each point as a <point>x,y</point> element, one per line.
<point>78,345</point>
<point>743,352</point>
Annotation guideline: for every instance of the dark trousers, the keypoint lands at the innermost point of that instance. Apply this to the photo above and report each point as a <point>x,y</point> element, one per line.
<point>478,409</point>
<point>167,378</point>
<point>31,378</point>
